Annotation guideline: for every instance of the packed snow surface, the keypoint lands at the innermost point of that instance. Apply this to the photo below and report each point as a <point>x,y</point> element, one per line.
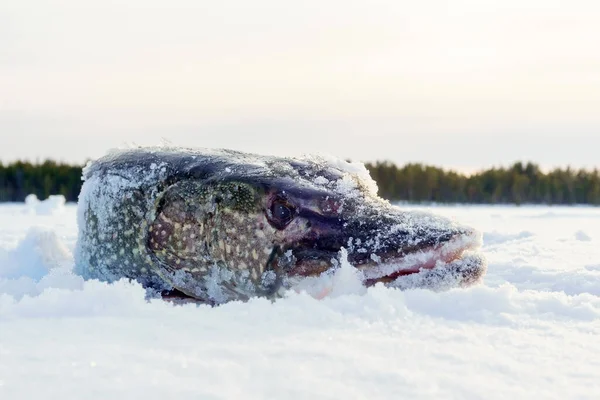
<point>531,330</point>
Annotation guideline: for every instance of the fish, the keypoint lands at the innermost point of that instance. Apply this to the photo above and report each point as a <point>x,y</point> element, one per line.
<point>218,225</point>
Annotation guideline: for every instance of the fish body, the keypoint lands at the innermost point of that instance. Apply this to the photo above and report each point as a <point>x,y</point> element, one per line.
<point>222,225</point>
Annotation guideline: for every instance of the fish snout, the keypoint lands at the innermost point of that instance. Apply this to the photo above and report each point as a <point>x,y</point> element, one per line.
<point>410,240</point>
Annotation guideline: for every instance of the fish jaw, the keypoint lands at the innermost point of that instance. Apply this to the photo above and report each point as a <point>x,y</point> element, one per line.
<point>393,249</point>
<point>443,257</point>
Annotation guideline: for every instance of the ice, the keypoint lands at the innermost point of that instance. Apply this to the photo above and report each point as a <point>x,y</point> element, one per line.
<point>530,330</point>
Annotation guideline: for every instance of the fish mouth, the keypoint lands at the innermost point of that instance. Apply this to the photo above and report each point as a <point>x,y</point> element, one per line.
<point>455,262</point>
<point>400,247</point>
<point>457,257</point>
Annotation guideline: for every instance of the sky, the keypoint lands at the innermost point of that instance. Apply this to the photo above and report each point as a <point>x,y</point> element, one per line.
<point>463,84</point>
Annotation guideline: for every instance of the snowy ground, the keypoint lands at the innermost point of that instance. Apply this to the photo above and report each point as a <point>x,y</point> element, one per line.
<point>532,330</point>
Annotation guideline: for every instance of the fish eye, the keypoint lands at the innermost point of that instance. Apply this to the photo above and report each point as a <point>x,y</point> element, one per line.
<point>281,213</point>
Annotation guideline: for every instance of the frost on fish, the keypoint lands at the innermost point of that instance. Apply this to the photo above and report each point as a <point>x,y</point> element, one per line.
<point>220,225</point>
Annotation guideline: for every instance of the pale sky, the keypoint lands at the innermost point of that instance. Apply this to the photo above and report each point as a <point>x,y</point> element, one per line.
<point>464,83</point>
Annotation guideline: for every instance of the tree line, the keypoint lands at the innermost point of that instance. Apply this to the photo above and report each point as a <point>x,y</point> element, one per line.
<point>21,178</point>
<point>517,184</point>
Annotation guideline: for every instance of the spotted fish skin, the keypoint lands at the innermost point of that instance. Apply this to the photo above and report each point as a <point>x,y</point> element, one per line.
<point>221,225</point>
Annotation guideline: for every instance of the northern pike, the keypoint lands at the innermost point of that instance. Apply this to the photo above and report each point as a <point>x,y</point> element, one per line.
<point>222,225</point>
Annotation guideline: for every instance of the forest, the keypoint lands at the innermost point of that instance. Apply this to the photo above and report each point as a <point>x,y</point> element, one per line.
<point>518,184</point>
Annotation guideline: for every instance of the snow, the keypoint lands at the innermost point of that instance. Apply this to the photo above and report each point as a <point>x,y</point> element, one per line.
<point>531,330</point>
<point>357,169</point>
<point>581,235</point>
<point>54,204</point>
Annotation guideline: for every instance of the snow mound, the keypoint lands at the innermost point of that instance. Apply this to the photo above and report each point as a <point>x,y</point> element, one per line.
<point>54,204</point>
<point>345,280</point>
<point>582,236</point>
<point>39,252</point>
<point>39,261</point>
<point>498,238</point>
